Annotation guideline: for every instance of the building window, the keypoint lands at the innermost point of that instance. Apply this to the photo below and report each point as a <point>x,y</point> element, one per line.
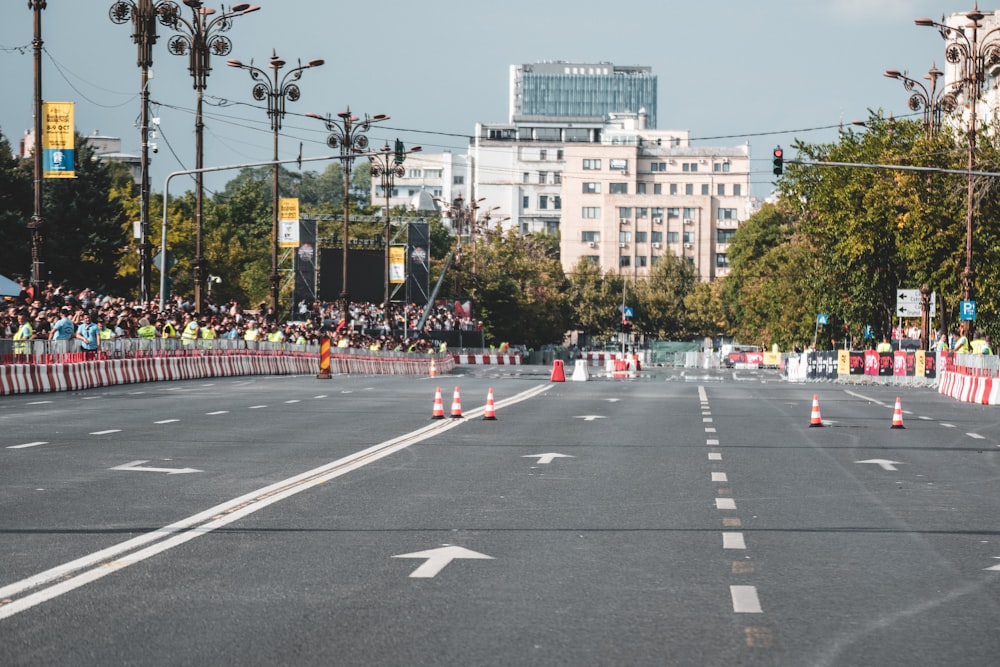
<point>525,203</point>
<point>591,188</point>
<point>720,190</point>
<point>624,211</point>
<point>591,213</point>
<point>640,260</point>
<point>590,237</point>
<point>592,164</point>
<point>672,237</point>
<point>526,178</point>
<point>542,177</point>
<point>724,235</point>
<point>640,188</point>
<point>624,261</point>
<point>673,188</point>
<point>543,154</point>
<point>727,214</point>
<point>736,189</point>
<point>458,180</point>
<point>704,189</point>
<point>640,237</point>
<point>656,237</point>
<point>556,178</point>
<point>673,212</point>
<point>559,154</point>
<point>543,201</point>
<point>688,237</point>
<point>690,213</point>
<point>641,212</point>
<point>593,259</point>
<point>618,188</point>
<point>688,189</point>
<point>690,167</point>
<point>657,188</point>
<point>658,166</point>
<point>624,237</point>
<point>722,261</point>
<point>657,211</point>
<point>414,173</point>
<point>556,202</point>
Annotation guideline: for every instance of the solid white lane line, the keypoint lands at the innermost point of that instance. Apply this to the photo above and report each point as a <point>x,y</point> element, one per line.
<point>720,477</point>
<point>74,574</point>
<point>725,504</point>
<point>733,541</point>
<point>27,444</point>
<point>745,600</point>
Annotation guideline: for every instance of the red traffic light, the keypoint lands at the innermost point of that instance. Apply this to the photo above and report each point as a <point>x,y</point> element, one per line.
<point>778,161</point>
<point>778,152</point>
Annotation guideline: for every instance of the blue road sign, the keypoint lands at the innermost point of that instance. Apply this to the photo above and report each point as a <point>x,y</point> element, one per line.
<point>968,310</point>
<point>821,319</point>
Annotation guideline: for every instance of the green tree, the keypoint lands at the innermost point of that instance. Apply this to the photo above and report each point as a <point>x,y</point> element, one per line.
<point>660,309</point>
<point>16,204</point>
<point>595,298</point>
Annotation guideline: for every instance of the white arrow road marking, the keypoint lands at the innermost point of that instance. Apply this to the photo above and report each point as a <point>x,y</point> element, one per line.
<point>589,418</point>
<point>137,465</point>
<point>547,458</point>
<point>438,559</point>
<point>885,464</point>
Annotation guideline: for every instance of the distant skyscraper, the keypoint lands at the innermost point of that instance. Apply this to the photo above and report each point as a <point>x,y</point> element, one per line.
<point>580,90</point>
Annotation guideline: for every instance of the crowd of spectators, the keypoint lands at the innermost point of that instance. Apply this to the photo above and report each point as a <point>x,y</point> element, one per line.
<point>58,307</point>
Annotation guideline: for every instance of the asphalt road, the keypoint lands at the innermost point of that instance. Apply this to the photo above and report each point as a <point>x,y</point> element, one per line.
<point>671,519</point>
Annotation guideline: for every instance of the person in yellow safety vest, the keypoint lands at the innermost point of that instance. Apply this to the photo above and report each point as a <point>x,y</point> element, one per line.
<point>146,330</point>
<point>191,331</point>
<point>884,346</point>
<point>978,343</point>
<point>275,335</point>
<point>962,344</point>
<point>504,346</point>
<point>107,333</point>
<point>24,333</point>
<point>942,343</point>
<point>169,329</point>
<point>988,345</point>
<point>252,333</point>
<point>207,333</point>
<point>443,347</point>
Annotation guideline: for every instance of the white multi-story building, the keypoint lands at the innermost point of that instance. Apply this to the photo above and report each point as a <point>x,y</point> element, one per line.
<point>429,179</point>
<point>640,194</point>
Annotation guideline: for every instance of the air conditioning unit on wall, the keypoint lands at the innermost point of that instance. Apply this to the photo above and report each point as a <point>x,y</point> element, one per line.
<point>688,221</point>
<point>624,221</point>
<point>622,245</point>
<point>687,246</point>
<point>656,245</point>
<point>658,221</point>
<point>592,244</point>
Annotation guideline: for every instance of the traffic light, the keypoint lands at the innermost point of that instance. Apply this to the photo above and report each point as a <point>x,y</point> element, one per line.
<point>400,154</point>
<point>778,161</point>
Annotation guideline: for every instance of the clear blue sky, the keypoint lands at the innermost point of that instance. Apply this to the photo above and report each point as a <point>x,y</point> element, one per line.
<point>730,71</point>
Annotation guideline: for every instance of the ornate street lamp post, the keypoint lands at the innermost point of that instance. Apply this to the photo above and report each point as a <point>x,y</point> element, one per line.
<point>348,135</point>
<point>387,164</point>
<point>933,102</point>
<point>972,53</point>
<point>275,90</point>
<point>144,15</point>
<point>200,39</point>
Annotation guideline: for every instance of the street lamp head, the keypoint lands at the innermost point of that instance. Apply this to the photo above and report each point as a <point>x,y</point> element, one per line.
<point>892,73</point>
<point>416,149</point>
<point>379,117</point>
<point>927,23</point>
<point>241,7</point>
<point>315,62</point>
<point>276,63</point>
<point>233,62</point>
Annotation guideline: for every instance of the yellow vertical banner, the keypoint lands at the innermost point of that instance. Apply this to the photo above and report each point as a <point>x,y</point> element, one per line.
<point>397,264</point>
<point>288,222</point>
<point>58,145</point>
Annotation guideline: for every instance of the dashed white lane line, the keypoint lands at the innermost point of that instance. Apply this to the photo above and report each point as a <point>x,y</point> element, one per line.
<point>113,430</point>
<point>725,504</point>
<point>256,407</point>
<point>733,541</point>
<point>947,425</point>
<point>714,456</point>
<point>26,445</point>
<point>167,421</point>
<point>218,412</point>
<point>711,441</point>
<point>975,436</point>
<point>720,477</point>
<point>709,429</point>
<point>745,600</point>
<point>39,402</point>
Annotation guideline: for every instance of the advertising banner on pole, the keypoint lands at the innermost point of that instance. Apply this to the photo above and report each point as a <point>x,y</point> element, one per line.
<point>397,264</point>
<point>288,222</point>
<point>58,145</point>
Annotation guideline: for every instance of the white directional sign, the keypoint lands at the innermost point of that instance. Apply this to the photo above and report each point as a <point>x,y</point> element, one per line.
<point>885,464</point>
<point>907,303</point>
<point>438,559</point>
<point>138,467</point>
<point>546,458</point>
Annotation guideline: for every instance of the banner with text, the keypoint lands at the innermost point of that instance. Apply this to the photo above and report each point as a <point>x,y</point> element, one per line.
<point>58,145</point>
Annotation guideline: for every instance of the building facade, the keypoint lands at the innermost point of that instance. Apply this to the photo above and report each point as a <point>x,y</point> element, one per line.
<point>640,194</point>
<point>429,179</point>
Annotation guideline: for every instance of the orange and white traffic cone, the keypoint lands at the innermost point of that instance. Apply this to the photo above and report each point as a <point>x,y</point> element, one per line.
<point>814,418</point>
<point>456,405</point>
<point>897,415</point>
<point>438,412</point>
<point>491,412</point>
<point>434,370</point>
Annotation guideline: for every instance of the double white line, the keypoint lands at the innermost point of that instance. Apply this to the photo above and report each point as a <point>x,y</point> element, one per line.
<point>24,594</point>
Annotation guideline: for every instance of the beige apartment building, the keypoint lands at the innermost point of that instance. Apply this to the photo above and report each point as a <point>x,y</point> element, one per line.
<point>639,194</point>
